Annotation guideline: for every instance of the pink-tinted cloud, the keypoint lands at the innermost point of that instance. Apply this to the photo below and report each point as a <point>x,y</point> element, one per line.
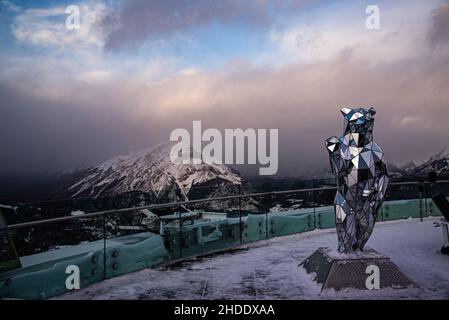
<point>90,122</point>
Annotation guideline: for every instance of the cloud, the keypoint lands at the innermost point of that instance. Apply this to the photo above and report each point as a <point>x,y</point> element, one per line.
<point>11,7</point>
<point>59,118</point>
<point>86,122</point>
<point>46,28</point>
<point>188,72</point>
<point>81,124</point>
<point>95,76</point>
<point>139,20</point>
<point>439,32</point>
<point>340,31</point>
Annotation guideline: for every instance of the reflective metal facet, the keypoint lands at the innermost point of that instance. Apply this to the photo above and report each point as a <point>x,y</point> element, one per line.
<point>362,178</point>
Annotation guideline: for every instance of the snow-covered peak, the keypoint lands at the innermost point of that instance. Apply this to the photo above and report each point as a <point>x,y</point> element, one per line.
<point>443,154</point>
<point>438,163</point>
<point>150,170</point>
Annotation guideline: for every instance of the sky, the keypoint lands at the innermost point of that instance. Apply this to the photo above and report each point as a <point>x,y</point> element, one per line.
<point>136,70</point>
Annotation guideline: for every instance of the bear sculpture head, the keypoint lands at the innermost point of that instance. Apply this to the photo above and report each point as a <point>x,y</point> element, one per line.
<point>359,120</point>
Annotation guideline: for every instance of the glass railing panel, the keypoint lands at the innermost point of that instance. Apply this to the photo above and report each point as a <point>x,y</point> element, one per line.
<point>135,240</point>
<point>200,237</point>
<point>255,221</point>
<point>217,224</point>
<point>402,200</point>
<point>324,213</point>
<point>432,189</point>
<point>50,253</point>
<point>291,213</point>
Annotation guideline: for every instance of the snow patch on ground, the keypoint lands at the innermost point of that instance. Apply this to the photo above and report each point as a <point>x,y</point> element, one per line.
<point>77,213</point>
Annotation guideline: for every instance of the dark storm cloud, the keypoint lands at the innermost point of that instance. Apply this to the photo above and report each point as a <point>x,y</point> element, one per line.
<point>42,134</point>
<point>439,31</point>
<point>138,20</point>
<point>60,126</point>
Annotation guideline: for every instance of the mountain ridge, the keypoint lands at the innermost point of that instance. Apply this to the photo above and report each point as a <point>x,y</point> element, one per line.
<point>150,170</point>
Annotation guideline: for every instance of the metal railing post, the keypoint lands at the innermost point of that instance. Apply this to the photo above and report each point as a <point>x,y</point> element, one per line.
<point>240,214</point>
<point>180,234</point>
<point>313,196</point>
<point>425,197</point>
<point>104,246</point>
<point>266,220</point>
<point>420,191</point>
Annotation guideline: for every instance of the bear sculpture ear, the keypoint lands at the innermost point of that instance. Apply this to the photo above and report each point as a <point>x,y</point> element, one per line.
<point>372,110</point>
<point>345,111</point>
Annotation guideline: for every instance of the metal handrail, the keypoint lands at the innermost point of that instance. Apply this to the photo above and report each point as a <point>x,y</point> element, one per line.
<point>178,203</point>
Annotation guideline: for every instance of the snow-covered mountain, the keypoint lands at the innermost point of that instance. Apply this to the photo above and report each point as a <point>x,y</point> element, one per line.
<point>438,163</point>
<point>152,171</point>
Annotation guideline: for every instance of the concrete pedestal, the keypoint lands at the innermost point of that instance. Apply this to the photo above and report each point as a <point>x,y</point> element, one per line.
<point>355,270</point>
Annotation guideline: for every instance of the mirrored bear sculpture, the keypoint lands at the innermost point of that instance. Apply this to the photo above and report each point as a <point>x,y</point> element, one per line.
<point>359,166</point>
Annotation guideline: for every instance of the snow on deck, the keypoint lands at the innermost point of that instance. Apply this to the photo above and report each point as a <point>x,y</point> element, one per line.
<point>269,269</point>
